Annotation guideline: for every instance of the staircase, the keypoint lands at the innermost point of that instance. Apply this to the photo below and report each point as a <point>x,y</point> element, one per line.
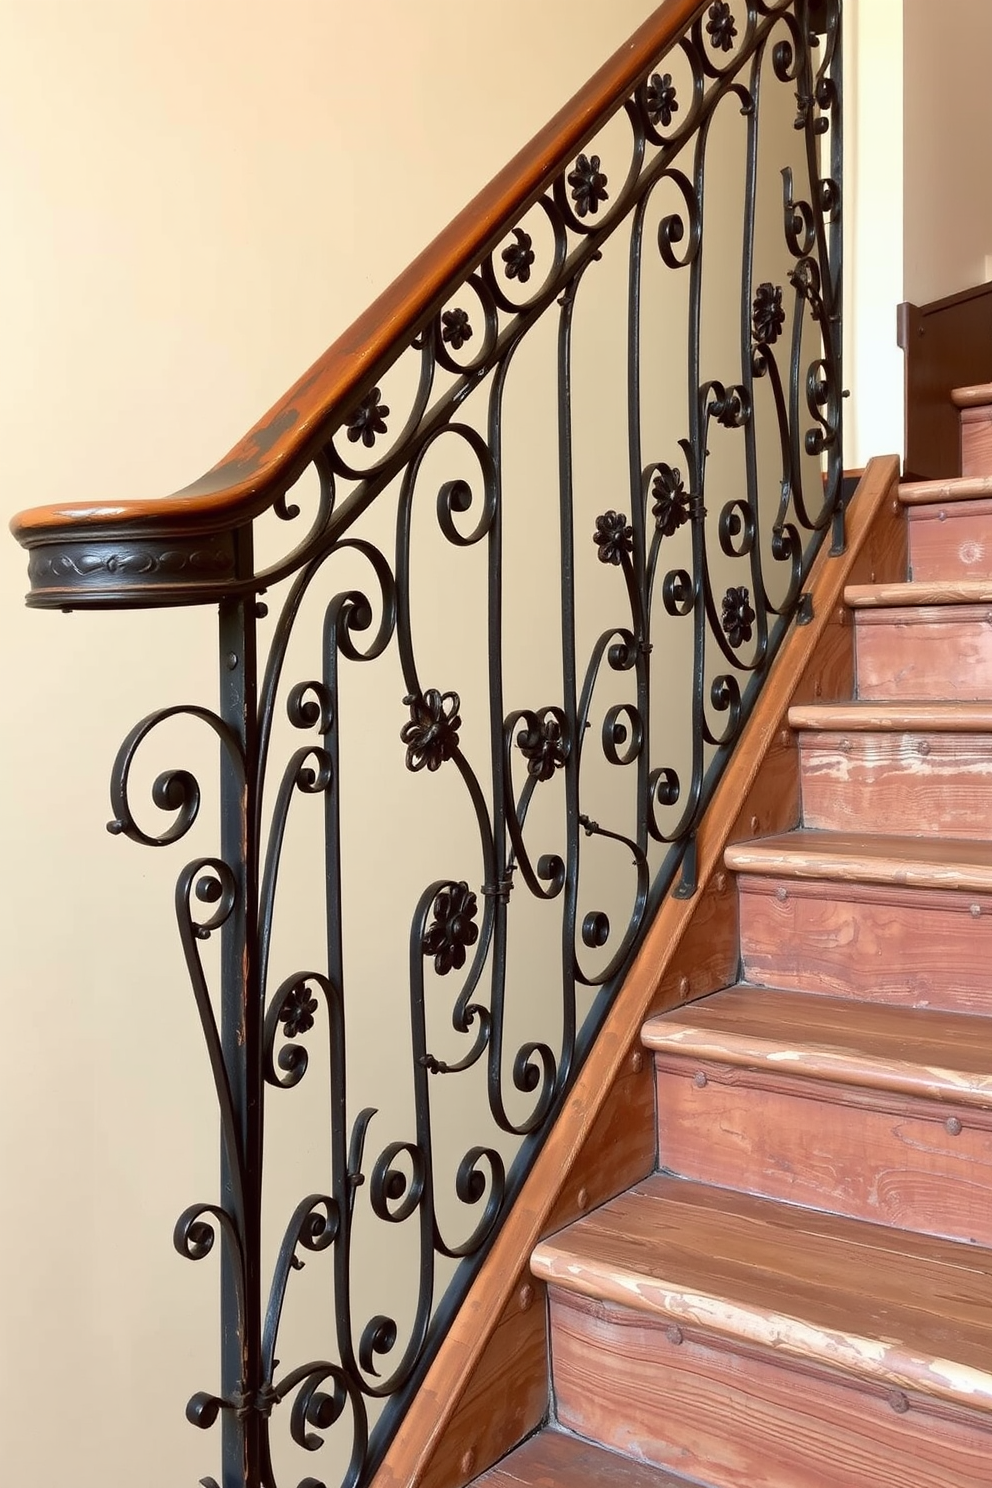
<point>801,1295</point>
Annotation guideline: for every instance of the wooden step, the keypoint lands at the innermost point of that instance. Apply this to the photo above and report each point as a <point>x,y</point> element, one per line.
<point>786,1346</point>
<point>940,492</point>
<point>915,781</point>
<point>975,395</point>
<point>888,944</point>
<point>897,717</point>
<point>976,439</point>
<point>936,592</point>
<point>863,857</point>
<point>557,1459</point>
<point>877,1112</point>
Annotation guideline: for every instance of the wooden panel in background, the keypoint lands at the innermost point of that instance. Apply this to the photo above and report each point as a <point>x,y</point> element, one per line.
<point>947,343</point>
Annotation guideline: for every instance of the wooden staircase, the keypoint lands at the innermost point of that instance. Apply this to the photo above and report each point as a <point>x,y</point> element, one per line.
<point>801,1295</point>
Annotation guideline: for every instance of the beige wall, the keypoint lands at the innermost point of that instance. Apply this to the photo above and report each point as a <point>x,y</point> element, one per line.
<point>195,199</point>
<point>873,415</point>
<point>948,206</point>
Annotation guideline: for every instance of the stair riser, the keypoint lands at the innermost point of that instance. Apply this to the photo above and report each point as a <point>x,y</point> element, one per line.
<point>884,782</point>
<point>925,948</point>
<point>951,541</point>
<point>976,441</point>
<point>737,1417</point>
<point>869,1155</point>
<point>930,653</point>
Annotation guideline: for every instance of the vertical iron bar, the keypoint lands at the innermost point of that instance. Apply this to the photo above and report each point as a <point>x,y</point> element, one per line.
<point>241,1039</point>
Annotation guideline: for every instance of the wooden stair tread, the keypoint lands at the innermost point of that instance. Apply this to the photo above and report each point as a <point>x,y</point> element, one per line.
<point>975,395</point>
<point>556,1459</point>
<point>914,1051</point>
<point>890,1305</point>
<point>931,717</point>
<point>915,594</point>
<point>935,492</point>
<point>862,857</point>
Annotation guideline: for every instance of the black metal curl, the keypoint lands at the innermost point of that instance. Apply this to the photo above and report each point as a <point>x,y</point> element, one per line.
<point>313,1407</point>
<point>514,261</point>
<point>373,425</point>
<point>471,1186</point>
<point>672,228</point>
<point>315,1225</point>
<point>173,790</point>
<point>455,328</point>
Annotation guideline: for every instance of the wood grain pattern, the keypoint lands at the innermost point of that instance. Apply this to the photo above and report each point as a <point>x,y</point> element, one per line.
<point>930,492</point>
<point>976,441</point>
<point>856,857</point>
<point>903,1309</point>
<point>930,717</point>
<point>816,663</point>
<point>933,652</point>
<point>863,1153</point>
<point>273,453</point>
<point>952,539</point>
<point>909,782</point>
<point>793,1425</point>
<point>947,591</point>
<point>555,1459</point>
<point>912,1051</point>
<point>925,948</point>
<point>976,395</point>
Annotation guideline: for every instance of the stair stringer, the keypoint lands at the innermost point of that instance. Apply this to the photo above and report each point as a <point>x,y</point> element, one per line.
<point>487,1387</point>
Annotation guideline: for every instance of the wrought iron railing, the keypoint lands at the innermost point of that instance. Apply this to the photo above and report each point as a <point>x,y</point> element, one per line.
<point>538,613</point>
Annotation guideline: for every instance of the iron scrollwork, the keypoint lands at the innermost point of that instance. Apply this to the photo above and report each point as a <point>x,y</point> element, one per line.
<point>715,569</point>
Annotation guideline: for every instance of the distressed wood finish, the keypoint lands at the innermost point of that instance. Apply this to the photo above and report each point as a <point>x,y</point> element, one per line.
<point>884,1158</point>
<point>897,782</point>
<point>925,948</point>
<point>898,717</point>
<point>905,1310</point>
<point>929,492</point>
<point>853,857</point>
<point>730,1417</point>
<point>932,652</point>
<point>952,538</point>
<point>877,1112</point>
<point>554,1459</point>
<point>692,946</point>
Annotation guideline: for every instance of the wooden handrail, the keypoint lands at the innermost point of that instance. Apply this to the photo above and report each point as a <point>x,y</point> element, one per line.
<point>273,454</point>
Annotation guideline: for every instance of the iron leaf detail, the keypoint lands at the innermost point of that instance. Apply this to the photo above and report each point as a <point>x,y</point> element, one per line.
<point>519,256</point>
<point>721,25</point>
<point>671,500</point>
<point>767,315</point>
<point>543,747</point>
<point>661,99</point>
<point>738,616</point>
<point>453,928</point>
<point>296,1013</point>
<point>431,736</point>
<point>455,328</point>
<point>368,420</point>
<point>613,537</point>
<point>588,185</point>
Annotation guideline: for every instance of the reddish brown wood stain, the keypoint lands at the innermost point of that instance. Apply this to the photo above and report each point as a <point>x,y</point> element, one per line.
<point>734,1418</point>
<point>951,538</point>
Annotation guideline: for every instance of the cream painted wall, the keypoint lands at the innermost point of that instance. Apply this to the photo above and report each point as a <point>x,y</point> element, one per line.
<point>873,244</point>
<point>948,206</point>
<point>196,198</point>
